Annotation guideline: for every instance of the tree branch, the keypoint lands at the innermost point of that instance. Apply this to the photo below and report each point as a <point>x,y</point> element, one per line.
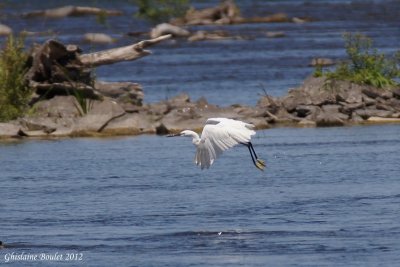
<point>126,53</point>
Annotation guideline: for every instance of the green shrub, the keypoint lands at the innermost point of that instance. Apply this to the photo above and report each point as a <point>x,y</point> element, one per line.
<point>365,64</point>
<point>14,91</point>
<point>161,10</point>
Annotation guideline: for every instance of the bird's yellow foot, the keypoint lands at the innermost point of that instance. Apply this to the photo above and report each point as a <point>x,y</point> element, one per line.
<point>260,164</point>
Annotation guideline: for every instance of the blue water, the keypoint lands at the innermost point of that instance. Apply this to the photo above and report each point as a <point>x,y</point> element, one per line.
<point>329,197</point>
<point>224,72</point>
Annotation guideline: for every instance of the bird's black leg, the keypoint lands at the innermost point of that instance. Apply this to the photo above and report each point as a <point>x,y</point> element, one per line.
<point>252,148</point>
<point>251,154</point>
<point>259,162</point>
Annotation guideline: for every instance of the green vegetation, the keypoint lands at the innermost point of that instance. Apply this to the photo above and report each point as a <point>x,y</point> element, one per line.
<point>83,105</point>
<point>161,10</point>
<point>365,65</point>
<point>14,91</point>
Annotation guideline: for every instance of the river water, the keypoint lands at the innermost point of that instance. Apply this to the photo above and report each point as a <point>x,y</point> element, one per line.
<point>329,197</point>
<point>230,71</point>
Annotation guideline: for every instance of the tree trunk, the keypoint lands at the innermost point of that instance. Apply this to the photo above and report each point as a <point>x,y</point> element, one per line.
<point>126,53</point>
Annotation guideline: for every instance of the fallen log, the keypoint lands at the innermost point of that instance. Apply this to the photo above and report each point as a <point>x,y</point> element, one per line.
<point>56,69</point>
<point>126,53</point>
<point>65,11</point>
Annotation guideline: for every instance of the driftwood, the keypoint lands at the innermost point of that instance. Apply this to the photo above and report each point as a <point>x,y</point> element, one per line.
<point>225,13</point>
<point>66,11</point>
<point>56,69</point>
<point>126,53</point>
<point>53,89</point>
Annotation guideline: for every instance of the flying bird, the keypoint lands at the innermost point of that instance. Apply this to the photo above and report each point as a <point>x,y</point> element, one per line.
<point>220,134</point>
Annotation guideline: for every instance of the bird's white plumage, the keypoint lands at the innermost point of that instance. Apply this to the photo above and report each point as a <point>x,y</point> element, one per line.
<point>220,134</point>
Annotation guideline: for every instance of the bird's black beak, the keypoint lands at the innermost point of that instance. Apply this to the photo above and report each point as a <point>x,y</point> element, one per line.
<point>173,135</point>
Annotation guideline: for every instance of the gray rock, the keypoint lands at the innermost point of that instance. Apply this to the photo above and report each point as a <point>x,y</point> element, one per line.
<point>122,92</point>
<point>135,123</point>
<point>5,30</point>
<point>349,108</point>
<point>372,112</point>
<point>98,38</point>
<point>271,104</point>
<point>212,36</point>
<point>326,119</point>
<point>166,28</point>
<point>396,93</point>
<point>57,107</point>
<point>382,105</point>
<point>295,98</point>
<point>320,61</point>
<point>354,94</point>
<point>64,11</point>
<point>282,116</point>
<point>9,130</point>
<point>45,124</point>
<point>356,118</point>
<point>373,92</point>
<point>318,91</point>
<point>162,130</point>
<point>303,111</point>
<point>331,108</point>
<point>35,133</point>
<point>330,115</point>
<point>394,103</point>
<point>181,100</point>
<point>158,109</point>
<point>368,100</point>
<point>177,120</point>
<point>62,131</point>
<point>100,114</point>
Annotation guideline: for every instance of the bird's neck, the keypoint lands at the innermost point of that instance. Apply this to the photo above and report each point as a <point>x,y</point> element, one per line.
<point>195,138</point>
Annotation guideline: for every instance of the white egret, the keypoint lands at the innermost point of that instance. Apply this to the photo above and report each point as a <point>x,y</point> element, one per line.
<point>220,134</point>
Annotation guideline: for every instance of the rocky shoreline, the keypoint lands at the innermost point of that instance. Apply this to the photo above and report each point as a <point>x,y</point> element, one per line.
<point>318,102</point>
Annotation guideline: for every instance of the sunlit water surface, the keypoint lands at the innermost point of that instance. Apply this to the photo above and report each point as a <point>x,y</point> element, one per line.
<point>329,197</point>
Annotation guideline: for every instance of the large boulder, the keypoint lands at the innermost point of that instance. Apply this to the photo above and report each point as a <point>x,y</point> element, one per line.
<point>56,117</point>
<point>373,112</point>
<point>58,107</point>
<point>99,115</point>
<point>294,99</point>
<point>132,123</point>
<point>166,28</point>
<point>5,30</point>
<point>123,92</point>
<point>9,130</point>
<point>225,13</point>
<point>374,92</point>
<point>98,38</point>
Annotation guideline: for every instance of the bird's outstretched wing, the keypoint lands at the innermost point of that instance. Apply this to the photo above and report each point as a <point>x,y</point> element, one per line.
<point>220,134</point>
